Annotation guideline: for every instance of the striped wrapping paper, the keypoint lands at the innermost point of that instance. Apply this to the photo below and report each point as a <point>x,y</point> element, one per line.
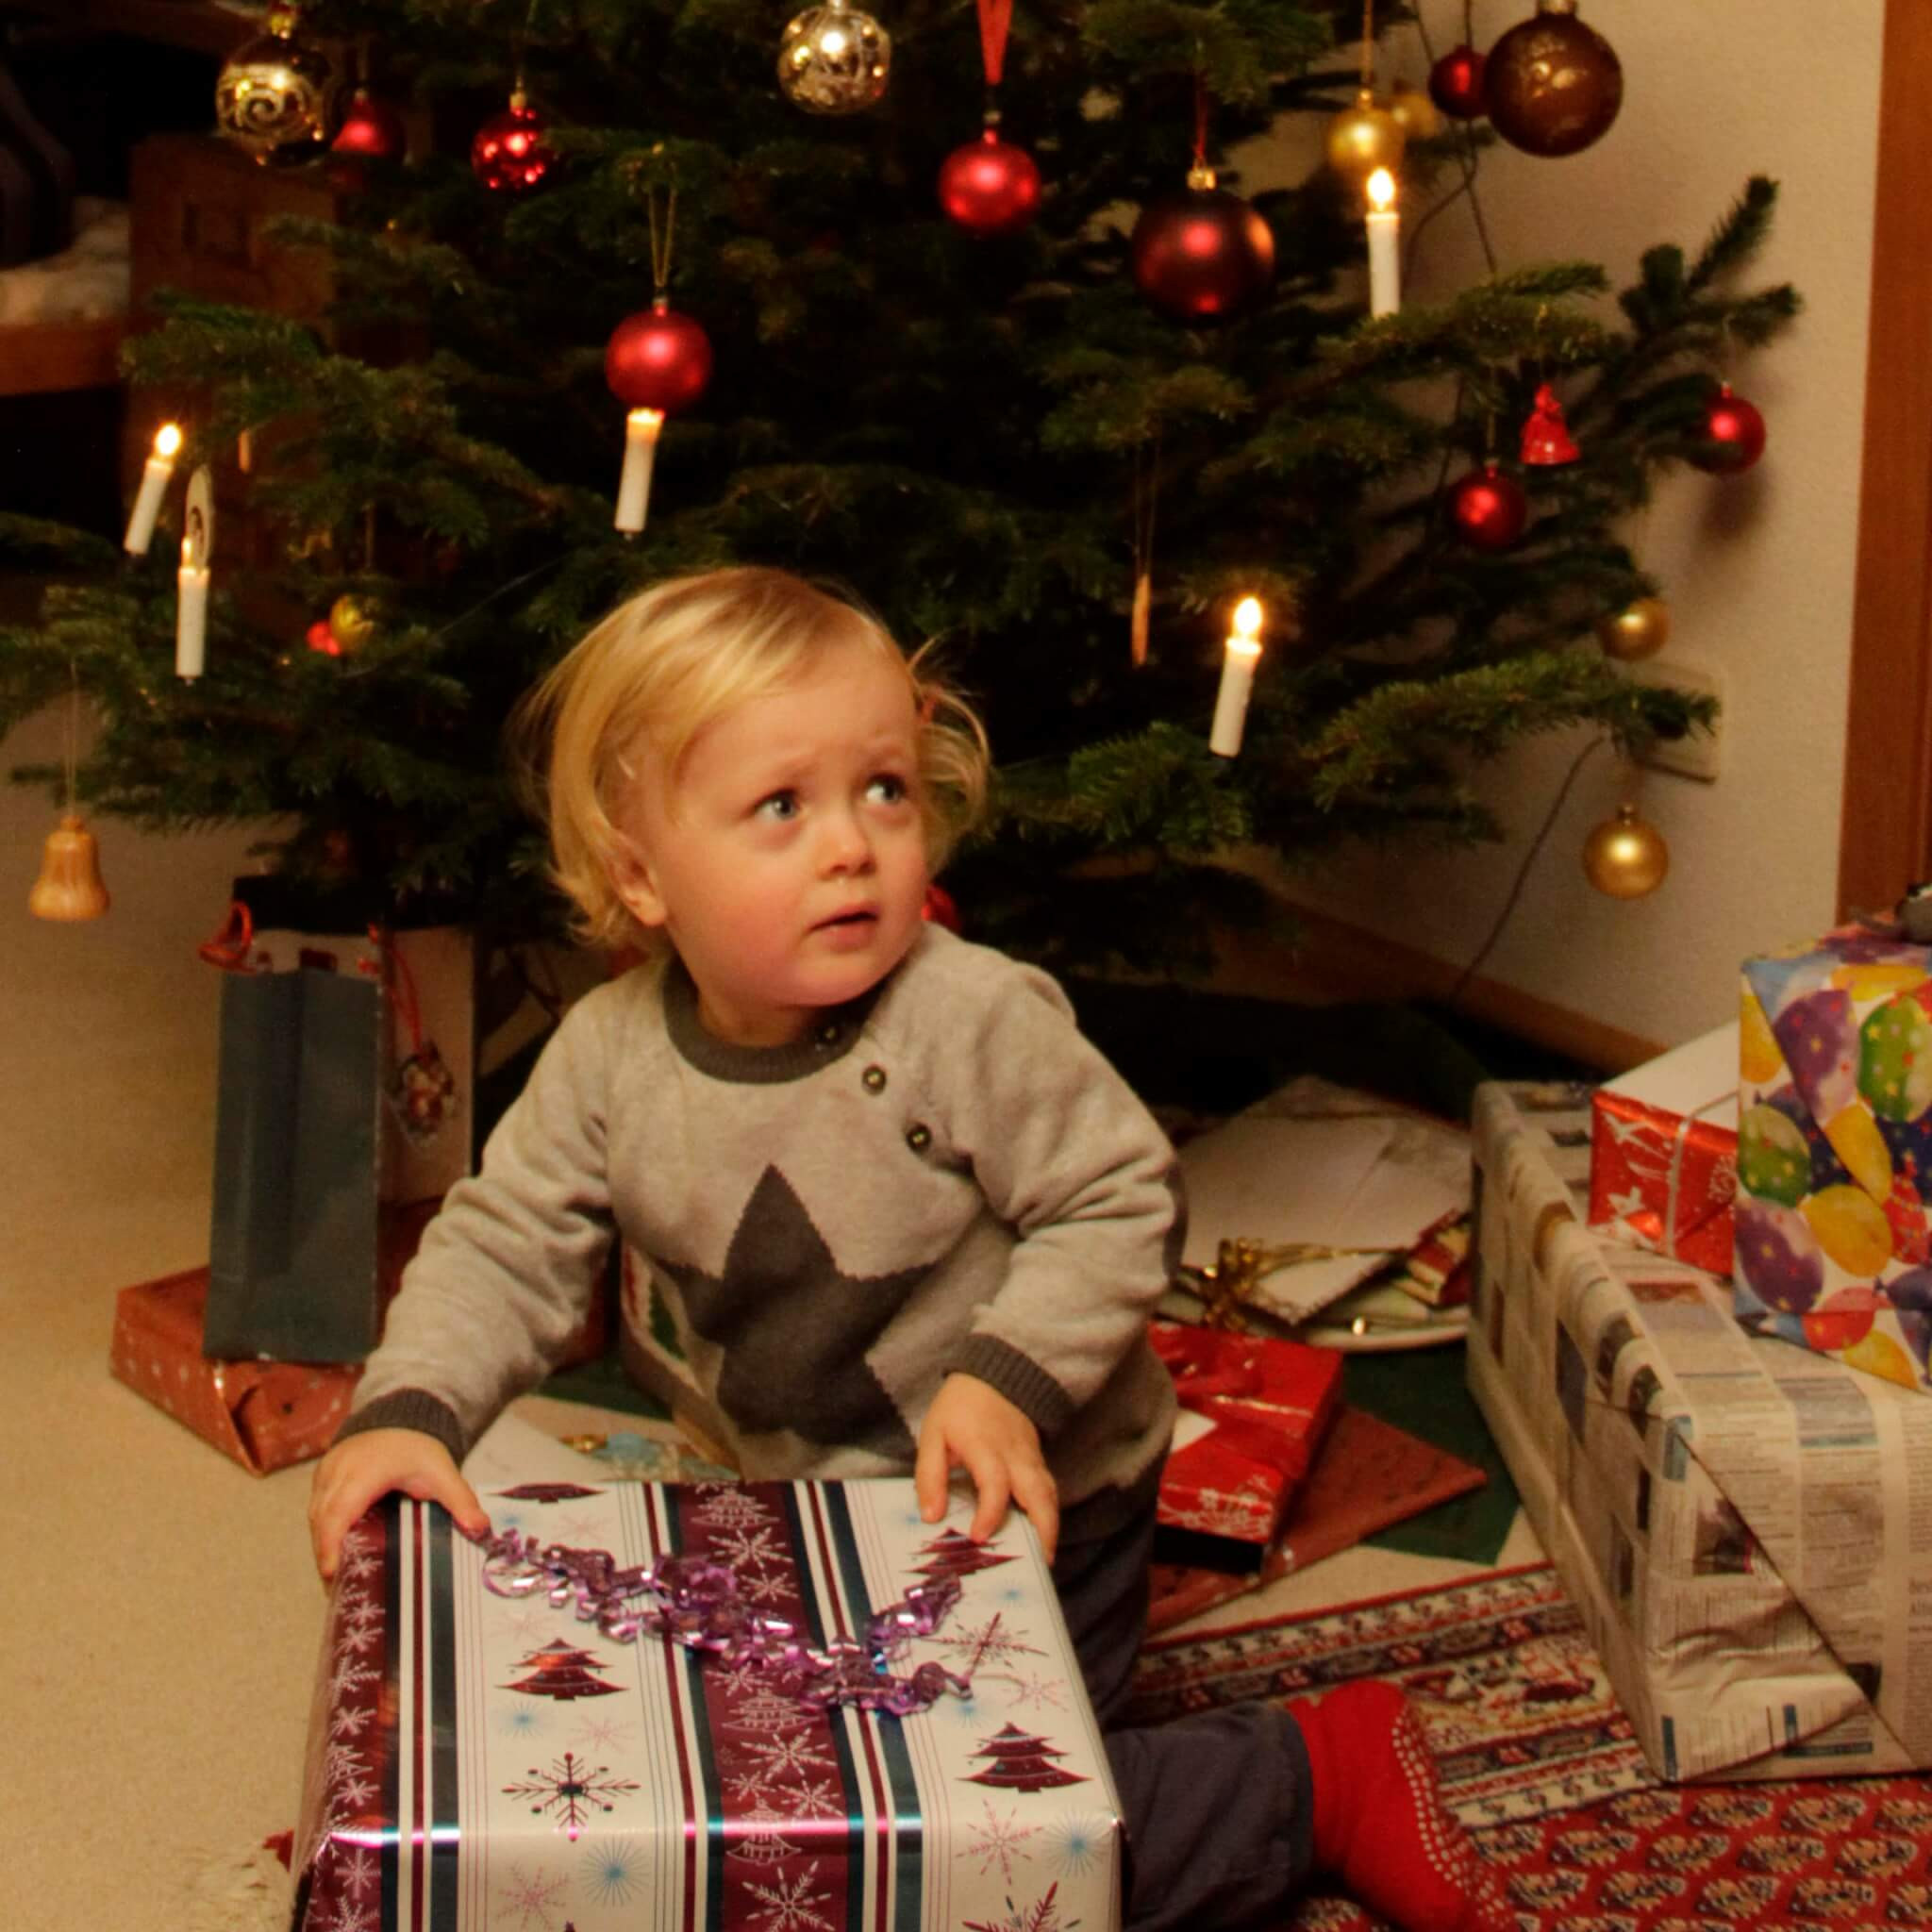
<point>479,1763</point>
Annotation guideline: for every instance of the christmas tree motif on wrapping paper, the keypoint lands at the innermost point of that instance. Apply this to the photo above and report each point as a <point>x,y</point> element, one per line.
<point>1044,1915</point>
<point>1021,1762</point>
<point>563,1672</point>
<point>951,1553</point>
<point>548,1493</point>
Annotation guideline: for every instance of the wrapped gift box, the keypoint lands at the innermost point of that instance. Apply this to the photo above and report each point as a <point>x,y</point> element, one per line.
<point>264,1414</point>
<point>493,1762</point>
<point>1663,1163</point>
<point>1747,1529</point>
<point>1835,1152</point>
<point>1253,1414</point>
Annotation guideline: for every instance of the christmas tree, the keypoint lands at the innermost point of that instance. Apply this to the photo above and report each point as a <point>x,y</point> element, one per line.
<point>1016,428</point>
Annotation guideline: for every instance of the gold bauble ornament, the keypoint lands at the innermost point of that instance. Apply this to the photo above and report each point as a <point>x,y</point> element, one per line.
<point>1364,138</point>
<point>1638,630</point>
<point>69,886</point>
<point>1626,856</point>
<point>834,59</point>
<point>1421,119</point>
<point>281,94</point>
<point>353,620</point>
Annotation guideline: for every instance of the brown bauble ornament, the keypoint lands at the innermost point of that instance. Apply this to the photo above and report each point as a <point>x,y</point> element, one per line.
<point>1640,630</point>
<point>1626,856</point>
<point>1364,138</point>
<point>1551,84</point>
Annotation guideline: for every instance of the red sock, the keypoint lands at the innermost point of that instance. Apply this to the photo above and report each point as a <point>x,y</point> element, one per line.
<point>1379,1823</point>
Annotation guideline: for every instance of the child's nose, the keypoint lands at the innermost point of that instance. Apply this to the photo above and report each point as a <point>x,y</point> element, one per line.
<point>845,844</point>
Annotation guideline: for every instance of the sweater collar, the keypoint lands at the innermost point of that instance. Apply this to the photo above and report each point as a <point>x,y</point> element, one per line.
<point>833,1034</point>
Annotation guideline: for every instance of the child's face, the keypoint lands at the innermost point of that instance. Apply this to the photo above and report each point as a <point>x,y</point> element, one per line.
<point>786,860</point>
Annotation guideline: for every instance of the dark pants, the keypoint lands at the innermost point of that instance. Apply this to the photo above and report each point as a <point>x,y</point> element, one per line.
<point>1219,1830</point>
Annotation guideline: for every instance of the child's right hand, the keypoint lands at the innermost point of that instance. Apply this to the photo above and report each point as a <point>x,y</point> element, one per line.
<point>357,1471</point>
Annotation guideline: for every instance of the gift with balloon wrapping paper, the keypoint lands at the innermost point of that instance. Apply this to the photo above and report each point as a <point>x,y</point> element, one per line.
<point>1833,1242</point>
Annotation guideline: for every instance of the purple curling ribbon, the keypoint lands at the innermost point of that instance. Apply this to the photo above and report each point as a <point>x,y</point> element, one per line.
<point>696,1602</point>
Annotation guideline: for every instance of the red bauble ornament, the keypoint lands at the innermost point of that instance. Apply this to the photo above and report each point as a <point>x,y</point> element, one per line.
<point>990,187</point>
<point>1734,430</point>
<point>1455,83</point>
<point>1202,256</point>
<point>322,640</point>
<point>1546,437</point>
<point>1489,509</point>
<point>372,130</point>
<point>657,359</point>
<point>941,908</point>
<point>508,154</point>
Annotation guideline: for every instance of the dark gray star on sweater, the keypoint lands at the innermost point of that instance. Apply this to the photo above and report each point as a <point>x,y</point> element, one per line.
<point>795,1330</point>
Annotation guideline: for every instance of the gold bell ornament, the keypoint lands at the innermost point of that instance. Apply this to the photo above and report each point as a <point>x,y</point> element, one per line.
<point>69,887</point>
<point>1626,856</point>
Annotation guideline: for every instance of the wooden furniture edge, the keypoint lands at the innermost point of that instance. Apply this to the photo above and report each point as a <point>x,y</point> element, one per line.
<point>1884,836</point>
<point>37,357</point>
<point>1340,961</point>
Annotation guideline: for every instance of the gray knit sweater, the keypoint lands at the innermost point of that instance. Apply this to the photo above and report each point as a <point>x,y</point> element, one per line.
<point>944,1175</point>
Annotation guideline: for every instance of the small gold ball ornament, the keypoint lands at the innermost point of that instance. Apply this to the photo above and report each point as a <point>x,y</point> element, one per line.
<point>834,59</point>
<point>1638,630</point>
<point>1364,138</point>
<point>280,95</point>
<point>1420,117</point>
<point>353,620</point>
<point>1626,856</point>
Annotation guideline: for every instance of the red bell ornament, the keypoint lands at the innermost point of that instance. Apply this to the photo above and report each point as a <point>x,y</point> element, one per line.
<point>1455,83</point>
<point>1204,255</point>
<point>509,153</point>
<point>1733,432</point>
<point>372,130</point>
<point>657,363</point>
<point>1546,438</point>
<point>988,185</point>
<point>1489,509</point>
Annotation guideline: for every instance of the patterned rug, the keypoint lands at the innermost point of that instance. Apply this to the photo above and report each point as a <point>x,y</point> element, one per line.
<point>1536,1757</point>
<point>1512,1698</point>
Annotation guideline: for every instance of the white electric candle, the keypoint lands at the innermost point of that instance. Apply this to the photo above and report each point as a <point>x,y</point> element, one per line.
<point>1237,678</point>
<point>1385,235</point>
<point>154,485</point>
<point>192,583</point>
<point>640,456</point>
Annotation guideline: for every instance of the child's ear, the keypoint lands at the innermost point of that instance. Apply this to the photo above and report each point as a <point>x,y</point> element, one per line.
<point>632,880</point>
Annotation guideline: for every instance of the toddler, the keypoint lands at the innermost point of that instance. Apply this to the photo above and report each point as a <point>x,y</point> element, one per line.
<point>898,1212</point>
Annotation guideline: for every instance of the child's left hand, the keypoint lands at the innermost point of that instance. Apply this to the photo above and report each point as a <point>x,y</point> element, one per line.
<point>973,1427</point>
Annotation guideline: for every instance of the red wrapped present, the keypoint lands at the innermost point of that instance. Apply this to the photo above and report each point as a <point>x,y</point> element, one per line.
<point>1254,1412</point>
<point>266,1415</point>
<point>1663,1153</point>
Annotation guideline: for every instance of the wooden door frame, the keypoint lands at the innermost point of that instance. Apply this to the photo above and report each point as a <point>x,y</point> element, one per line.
<point>1884,842</point>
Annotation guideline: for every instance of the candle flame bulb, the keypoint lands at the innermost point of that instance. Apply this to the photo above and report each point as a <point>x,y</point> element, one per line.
<point>1385,262</point>
<point>155,473</point>
<point>1237,678</point>
<point>1381,189</point>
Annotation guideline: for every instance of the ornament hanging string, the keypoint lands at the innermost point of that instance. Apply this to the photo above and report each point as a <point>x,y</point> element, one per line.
<point>1369,46</point>
<point>1467,155</point>
<point>1200,122</point>
<point>662,240</point>
<point>1145,499</point>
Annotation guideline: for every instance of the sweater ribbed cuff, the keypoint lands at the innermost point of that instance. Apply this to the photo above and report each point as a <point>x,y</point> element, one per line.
<point>409,1408</point>
<point>1018,1377</point>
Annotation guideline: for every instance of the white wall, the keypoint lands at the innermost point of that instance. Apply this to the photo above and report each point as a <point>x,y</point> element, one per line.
<point>1757,570</point>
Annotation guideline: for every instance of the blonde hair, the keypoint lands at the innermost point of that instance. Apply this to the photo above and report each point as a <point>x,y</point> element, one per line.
<point>664,665</point>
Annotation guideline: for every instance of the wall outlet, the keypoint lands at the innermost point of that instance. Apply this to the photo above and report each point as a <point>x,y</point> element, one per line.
<point>1697,754</point>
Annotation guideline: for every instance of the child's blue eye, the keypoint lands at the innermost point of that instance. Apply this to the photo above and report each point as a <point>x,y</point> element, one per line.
<point>887,788</point>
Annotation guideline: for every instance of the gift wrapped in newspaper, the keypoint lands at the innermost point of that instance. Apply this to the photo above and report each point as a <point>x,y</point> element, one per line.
<point>1663,1163</point>
<point>493,1760</point>
<point>1835,1152</point>
<point>1746,1528</point>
